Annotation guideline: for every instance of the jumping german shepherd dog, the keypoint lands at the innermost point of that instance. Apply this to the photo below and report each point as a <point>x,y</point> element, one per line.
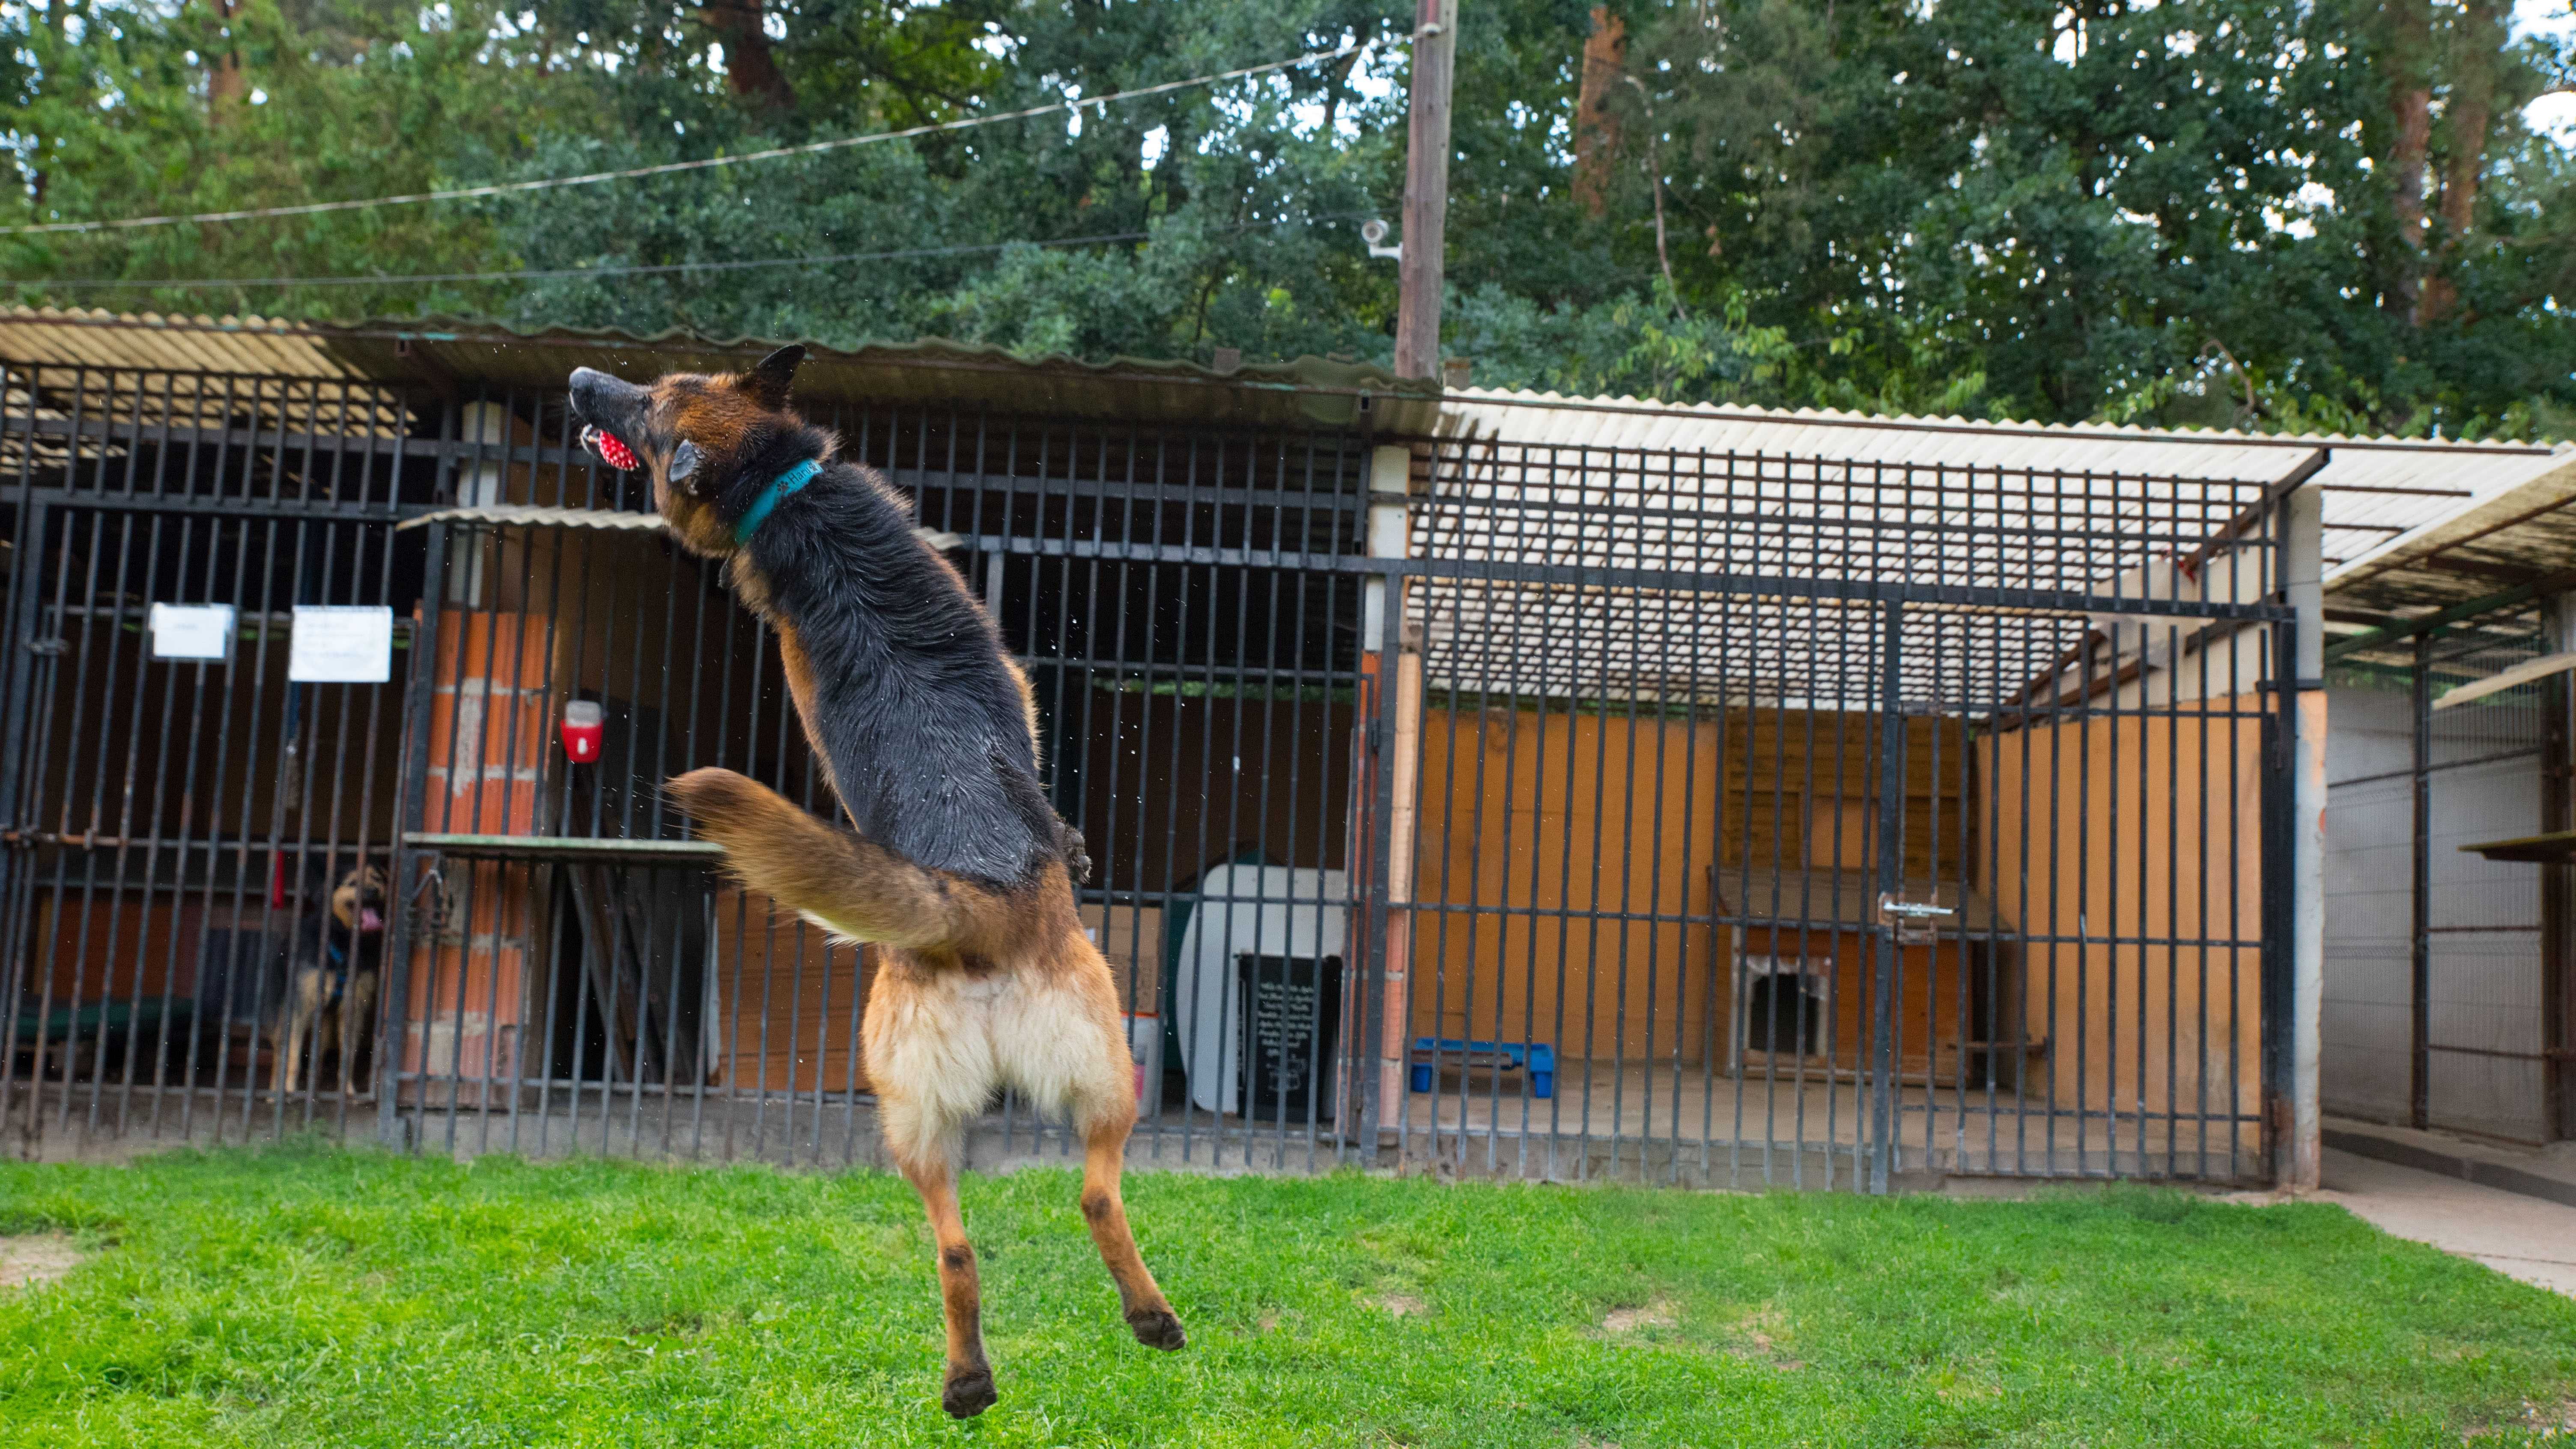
<point>334,961</point>
<point>958,870</point>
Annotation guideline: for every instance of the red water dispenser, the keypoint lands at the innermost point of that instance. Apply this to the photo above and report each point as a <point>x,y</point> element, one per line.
<point>583,724</point>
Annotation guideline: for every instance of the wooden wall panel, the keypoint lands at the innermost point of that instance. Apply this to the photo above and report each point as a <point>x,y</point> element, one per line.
<point>789,1002</point>
<point>1533,826</point>
<point>1540,831</point>
<point>2125,837</point>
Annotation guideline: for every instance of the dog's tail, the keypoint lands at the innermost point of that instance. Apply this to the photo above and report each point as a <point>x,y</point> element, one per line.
<point>834,878</point>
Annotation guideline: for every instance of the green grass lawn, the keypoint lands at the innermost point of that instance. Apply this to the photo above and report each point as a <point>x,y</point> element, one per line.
<point>322,1297</point>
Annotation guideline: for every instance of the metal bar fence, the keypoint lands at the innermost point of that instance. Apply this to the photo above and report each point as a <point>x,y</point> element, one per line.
<point>1659,814</point>
<point>2442,955</point>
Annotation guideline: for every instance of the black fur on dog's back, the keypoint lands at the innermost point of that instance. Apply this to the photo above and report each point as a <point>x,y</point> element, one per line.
<point>922,722</point>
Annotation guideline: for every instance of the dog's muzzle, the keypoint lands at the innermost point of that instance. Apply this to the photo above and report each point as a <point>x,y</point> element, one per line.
<point>610,410</point>
<point>607,449</point>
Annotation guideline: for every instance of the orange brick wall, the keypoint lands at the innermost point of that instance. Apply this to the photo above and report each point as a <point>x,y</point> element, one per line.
<point>468,1008</point>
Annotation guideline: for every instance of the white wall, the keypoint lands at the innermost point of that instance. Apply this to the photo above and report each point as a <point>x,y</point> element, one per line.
<point>2486,982</point>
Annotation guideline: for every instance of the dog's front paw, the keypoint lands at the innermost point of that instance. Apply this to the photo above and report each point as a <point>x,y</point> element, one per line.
<point>968,1394</point>
<point>1157,1328</point>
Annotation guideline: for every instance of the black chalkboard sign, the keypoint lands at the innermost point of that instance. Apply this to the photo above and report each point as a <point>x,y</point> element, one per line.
<point>1292,1014</point>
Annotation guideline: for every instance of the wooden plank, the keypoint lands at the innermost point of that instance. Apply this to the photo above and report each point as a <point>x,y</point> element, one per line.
<point>2524,673</point>
<point>2552,849</point>
<point>563,848</point>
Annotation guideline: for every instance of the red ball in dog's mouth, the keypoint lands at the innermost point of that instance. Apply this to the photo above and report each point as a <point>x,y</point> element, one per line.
<point>609,450</point>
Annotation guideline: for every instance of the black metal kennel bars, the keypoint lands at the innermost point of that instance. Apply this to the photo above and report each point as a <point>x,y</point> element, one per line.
<point>1925,825</point>
<point>1713,818</point>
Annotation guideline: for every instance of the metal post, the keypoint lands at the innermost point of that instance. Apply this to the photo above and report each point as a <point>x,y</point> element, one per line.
<point>2419,1050</point>
<point>2557,892</point>
<point>2303,576</point>
<point>393,1024</point>
<point>1387,777</point>
<point>1891,872</point>
<point>1426,190</point>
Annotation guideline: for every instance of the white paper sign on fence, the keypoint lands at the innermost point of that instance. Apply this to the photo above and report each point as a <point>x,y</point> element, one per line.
<point>341,644</point>
<point>192,631</point>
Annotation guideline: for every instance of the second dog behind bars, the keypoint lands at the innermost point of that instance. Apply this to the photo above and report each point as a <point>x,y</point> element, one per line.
<point>958,868</point>
<point>324,997</point>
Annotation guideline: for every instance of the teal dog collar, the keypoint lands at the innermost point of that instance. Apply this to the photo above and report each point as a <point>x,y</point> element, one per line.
<point>779,487</point>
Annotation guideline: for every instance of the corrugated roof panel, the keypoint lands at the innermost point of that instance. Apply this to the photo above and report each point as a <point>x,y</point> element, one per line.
<point>2475,549</point>
<point>1306,392</point>
<point>2376,488</point>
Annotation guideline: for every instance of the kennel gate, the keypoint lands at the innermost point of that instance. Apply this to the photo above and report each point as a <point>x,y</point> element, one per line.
<point>1724,820</point>
<point>1833,823</point>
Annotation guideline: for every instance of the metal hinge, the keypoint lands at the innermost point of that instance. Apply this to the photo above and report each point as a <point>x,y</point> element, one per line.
<point>1376,736</point>
<point>45,646</point>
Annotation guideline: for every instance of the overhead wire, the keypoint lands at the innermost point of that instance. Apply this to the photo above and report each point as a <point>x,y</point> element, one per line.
<point>810,148</point>
<point>643,269</point>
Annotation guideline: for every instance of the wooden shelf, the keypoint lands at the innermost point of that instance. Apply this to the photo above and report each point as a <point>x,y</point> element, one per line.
<point>569,847</point>
<point>2553,849</point>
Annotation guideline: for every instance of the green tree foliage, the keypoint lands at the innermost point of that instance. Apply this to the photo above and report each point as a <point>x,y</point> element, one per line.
<point>2179,212</point>
<point>2264,213</point>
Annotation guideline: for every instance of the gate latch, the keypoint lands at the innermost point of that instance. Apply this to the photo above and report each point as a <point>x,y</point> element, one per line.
<point>1913,920</point>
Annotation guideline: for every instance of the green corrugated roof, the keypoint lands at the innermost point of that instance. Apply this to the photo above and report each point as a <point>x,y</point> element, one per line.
<point>452,352</point>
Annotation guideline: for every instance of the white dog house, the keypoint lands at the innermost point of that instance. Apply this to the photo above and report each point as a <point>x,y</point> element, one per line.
<point>1262,958</point>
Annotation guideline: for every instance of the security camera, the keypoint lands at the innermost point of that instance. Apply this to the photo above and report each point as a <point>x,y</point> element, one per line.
<point>1373,231</point>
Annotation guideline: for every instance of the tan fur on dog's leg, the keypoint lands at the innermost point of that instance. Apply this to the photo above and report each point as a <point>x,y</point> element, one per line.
<point>1149,1316</point>
<point>968,1388</point>
<point>833,877</point>
<point>282,1066</point>
<point>326,1039</point>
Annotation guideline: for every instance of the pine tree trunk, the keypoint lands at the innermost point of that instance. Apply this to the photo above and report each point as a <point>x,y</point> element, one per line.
<point>2406,28</point>
<point>1596,126</point>
<point>2469,116</point>
<point>749,67</point>
<point>226,86</point>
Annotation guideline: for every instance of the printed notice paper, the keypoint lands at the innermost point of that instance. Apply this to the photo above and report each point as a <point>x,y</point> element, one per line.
<point>192,631</point>
<point>341,644</point>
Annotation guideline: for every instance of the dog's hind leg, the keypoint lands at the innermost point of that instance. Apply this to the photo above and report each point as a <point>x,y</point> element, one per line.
<point>926,1150</point>
<point>847,885</point>
<point>1149,1315</point>
<point>967,1389</point>
<point>930,1059</point>
<point>1060,1039</point>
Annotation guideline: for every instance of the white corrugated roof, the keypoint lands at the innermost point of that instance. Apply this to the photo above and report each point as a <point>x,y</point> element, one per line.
<point>148,341</point>
<point>2375,488</point>
<point>1982,521</point>
<point>2469,550</point>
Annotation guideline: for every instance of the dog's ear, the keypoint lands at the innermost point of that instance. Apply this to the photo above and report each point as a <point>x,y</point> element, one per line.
<point>768,381</point>
<point>684,463</point>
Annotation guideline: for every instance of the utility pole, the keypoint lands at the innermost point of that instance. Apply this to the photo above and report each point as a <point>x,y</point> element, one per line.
<point>1426,190</point>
